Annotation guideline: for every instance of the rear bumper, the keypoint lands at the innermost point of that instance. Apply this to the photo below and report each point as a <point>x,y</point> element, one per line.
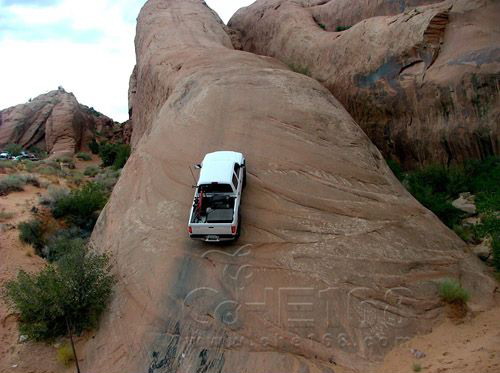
<point>213,237</point>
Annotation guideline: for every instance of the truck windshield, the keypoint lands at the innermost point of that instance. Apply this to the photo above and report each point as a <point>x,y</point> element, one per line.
<point>216,188</point>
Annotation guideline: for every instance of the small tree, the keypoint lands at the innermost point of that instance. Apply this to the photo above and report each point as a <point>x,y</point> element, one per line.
<point>81,205</point>
<point>64,298</point>
<point>14,149</point>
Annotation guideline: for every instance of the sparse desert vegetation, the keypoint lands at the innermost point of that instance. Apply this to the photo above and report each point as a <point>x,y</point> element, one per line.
<point>436,187</point>
<point>451,291</point>
<point>72,192</point>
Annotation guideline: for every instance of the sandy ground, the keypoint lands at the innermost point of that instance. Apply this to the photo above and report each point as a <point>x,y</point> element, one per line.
<point>472,346</point>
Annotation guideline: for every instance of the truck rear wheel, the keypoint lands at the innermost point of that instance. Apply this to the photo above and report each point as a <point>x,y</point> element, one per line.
<point>245,176</point>
<point>238,230</point>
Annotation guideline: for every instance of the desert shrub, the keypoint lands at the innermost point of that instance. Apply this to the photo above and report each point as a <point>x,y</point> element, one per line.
<point>77,177</point>
<point>15,183</point>
<point>94,146</point>
<point>122,155</point>
<point>438,203</point>
<point>31,232</point>
<point>488,201</point>
<point>74,291</point>
<point>322,26</point>
<point>31,179</point>
<point>108,179</point>
<point>40,153</point>
<point>304,70</point>
<point>91,171</point>
<point>115,155</point>
<point>5,215</point>
<point>49,171</point>
<point>84,156</point>
<point>7,164</point>
<point>416,367</point>
<point>13,149</point>
<point>65,355</point>
<point>451,291</point>
<point>30,166</point>
<point>66,161</point>
<point>467,232</point>
<point>342,28</point>
<point>54,193</point>
<point>11,183</point>
<point>64,241</point>
<point>81,205</point>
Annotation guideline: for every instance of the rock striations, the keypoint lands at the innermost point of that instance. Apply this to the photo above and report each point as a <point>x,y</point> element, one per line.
<point>337,262</point>
<point>55,122</point>
<point>421,82</point>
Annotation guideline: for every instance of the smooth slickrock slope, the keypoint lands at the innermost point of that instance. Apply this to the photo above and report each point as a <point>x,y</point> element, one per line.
<point>423,84</point>
<point>336,263</point>
<point>55,122</point>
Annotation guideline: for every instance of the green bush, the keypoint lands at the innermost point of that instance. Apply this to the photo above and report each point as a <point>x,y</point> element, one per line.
<point>438,203</point>
<point>115,155</point>
<point>468,233</point>
<point>74,291</point>
<point>91,171</point>
<point>122,155</point>
<point>396,169</point>
<point>322,26</point>
<point>84,156</point>
<point>94,146</point>
<point>81,205</point>
<point>31,232</point>
<point>451,291</point>
<point>76,177</point>
<point>64,241</point>
<point>13,149</point>
<point>38,152</point>
<point>496,251</point>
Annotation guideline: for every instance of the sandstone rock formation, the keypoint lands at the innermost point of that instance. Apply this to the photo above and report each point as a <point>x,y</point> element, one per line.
<point>55,122</point>
<point>337,262</point>
<point>422,84</point>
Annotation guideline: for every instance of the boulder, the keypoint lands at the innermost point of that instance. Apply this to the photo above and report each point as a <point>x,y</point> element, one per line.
<point>484,250</point>
<point>54,122</point>
<point>421,82</point>
<point>465,203</point>
<point>336,263</point>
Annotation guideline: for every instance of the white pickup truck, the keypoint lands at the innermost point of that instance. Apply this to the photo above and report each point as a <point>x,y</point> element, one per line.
<point>215,214</point>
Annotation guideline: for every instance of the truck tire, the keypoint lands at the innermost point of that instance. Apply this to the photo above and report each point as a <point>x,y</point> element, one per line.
<point>244,176</point>
<point>238,230</point>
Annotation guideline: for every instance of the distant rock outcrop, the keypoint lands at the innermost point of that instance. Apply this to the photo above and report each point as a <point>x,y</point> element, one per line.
<point>57,123</point>
<point>423,84</point>
<point>336,263</point>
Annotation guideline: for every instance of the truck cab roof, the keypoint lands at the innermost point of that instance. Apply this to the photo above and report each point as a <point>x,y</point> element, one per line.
<point>218,167</point>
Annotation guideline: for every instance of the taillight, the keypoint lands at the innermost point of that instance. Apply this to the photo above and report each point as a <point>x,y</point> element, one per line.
<point>190,230</point>
<point>233,229</point>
